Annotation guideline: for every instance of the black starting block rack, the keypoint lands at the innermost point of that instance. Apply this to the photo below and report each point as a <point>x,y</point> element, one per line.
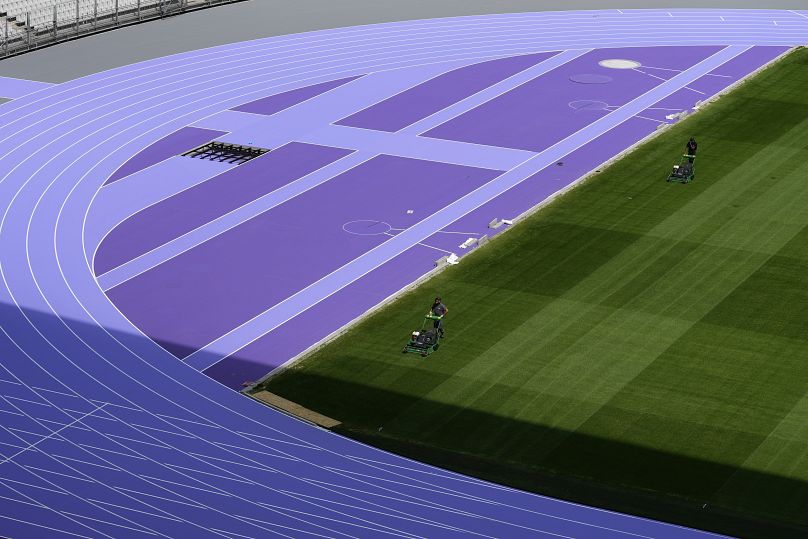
<point>225,152</point>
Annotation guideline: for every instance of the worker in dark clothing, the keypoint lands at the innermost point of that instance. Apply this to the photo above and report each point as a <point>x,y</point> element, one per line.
<point>691,147</point>
<point>438,309</point>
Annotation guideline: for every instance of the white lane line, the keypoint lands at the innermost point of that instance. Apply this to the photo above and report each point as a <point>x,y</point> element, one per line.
<point>53,433</point>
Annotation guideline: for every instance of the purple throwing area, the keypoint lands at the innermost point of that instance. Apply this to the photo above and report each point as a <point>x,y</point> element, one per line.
<point>178,214</point>
<point>192,299</point>
<point>176,143</point>
<point>275,103</point>
<point>425,99</point>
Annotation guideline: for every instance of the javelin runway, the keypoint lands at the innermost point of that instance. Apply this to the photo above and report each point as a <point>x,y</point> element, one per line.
<point>120,256</point>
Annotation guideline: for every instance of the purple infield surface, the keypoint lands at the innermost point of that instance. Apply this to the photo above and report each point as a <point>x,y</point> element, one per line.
<point>204,299</point>
<point>275,103</point>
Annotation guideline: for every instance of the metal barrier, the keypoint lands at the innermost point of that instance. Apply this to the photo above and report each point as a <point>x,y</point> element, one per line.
<point>31,24</point>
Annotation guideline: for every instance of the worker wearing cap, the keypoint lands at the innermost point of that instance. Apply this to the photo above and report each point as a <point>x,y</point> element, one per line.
<point>438,309</point>
<point>691,147</point>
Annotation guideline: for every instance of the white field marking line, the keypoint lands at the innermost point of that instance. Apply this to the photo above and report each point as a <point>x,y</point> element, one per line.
<point>10,412</point>
<point>651,119</point>
<point>206,349</point>
<point>172,418</point>
<point>246,518</point>
<point>435,248</point>
<point>25,400</point>
<point>85,446</point>
<point>54,391</point>
<point>62,457</point>
<point>50,527</point>
<point>376,527</point>
<point>9,382</point>
<point>299,443</point>
<point>500,88</point>
<point>222,493</point>
<point>660,78</point>
<point>679,71</point>
<point>141,530</point>
<point>163,430</point>
<point>461,233</point>
<point>15,500</point>
<point>114,405</point>
<point>388,513</point>
<point>135,510</point>
<point>29,467</point>
<point>118,436</point>
<point>59,423</point>
<point>137,492</point>
<point>75,412</point>
<point>54,489</point>
<point>798,14</point>
<point>259,208</point>
<point>220,476</point>
<point>263,467</point>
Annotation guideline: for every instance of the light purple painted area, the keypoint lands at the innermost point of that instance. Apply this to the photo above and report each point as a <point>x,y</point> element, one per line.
<point>286,341</point>
<point>196,297</point>
<point>204,202</point>
<point>12,88</point>
<point>275,103</point>
<point>536,114</point>
<point>176,143</point>
<point>425,99</point>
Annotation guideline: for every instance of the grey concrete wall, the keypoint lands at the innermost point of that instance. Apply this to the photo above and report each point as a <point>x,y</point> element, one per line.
<point>261,18</point>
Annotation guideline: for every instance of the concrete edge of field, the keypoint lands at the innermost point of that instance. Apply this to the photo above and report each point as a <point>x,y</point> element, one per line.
<point>521,217</point>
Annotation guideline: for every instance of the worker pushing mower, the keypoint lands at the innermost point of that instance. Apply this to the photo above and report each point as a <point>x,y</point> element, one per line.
<point>685,171</point>
<point>427,340</point>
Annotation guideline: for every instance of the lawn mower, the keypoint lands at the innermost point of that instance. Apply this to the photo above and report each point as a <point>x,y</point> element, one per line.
<point>424,341</point>
<point>685,171</point>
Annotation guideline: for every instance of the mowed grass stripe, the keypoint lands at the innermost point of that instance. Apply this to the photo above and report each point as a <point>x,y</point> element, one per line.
<point>635,344</point>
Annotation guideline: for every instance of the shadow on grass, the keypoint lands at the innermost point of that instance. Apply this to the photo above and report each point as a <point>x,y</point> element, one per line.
<point>568,465</point>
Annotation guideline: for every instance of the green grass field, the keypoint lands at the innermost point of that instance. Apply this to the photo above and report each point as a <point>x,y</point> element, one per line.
<point>637,345</point>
